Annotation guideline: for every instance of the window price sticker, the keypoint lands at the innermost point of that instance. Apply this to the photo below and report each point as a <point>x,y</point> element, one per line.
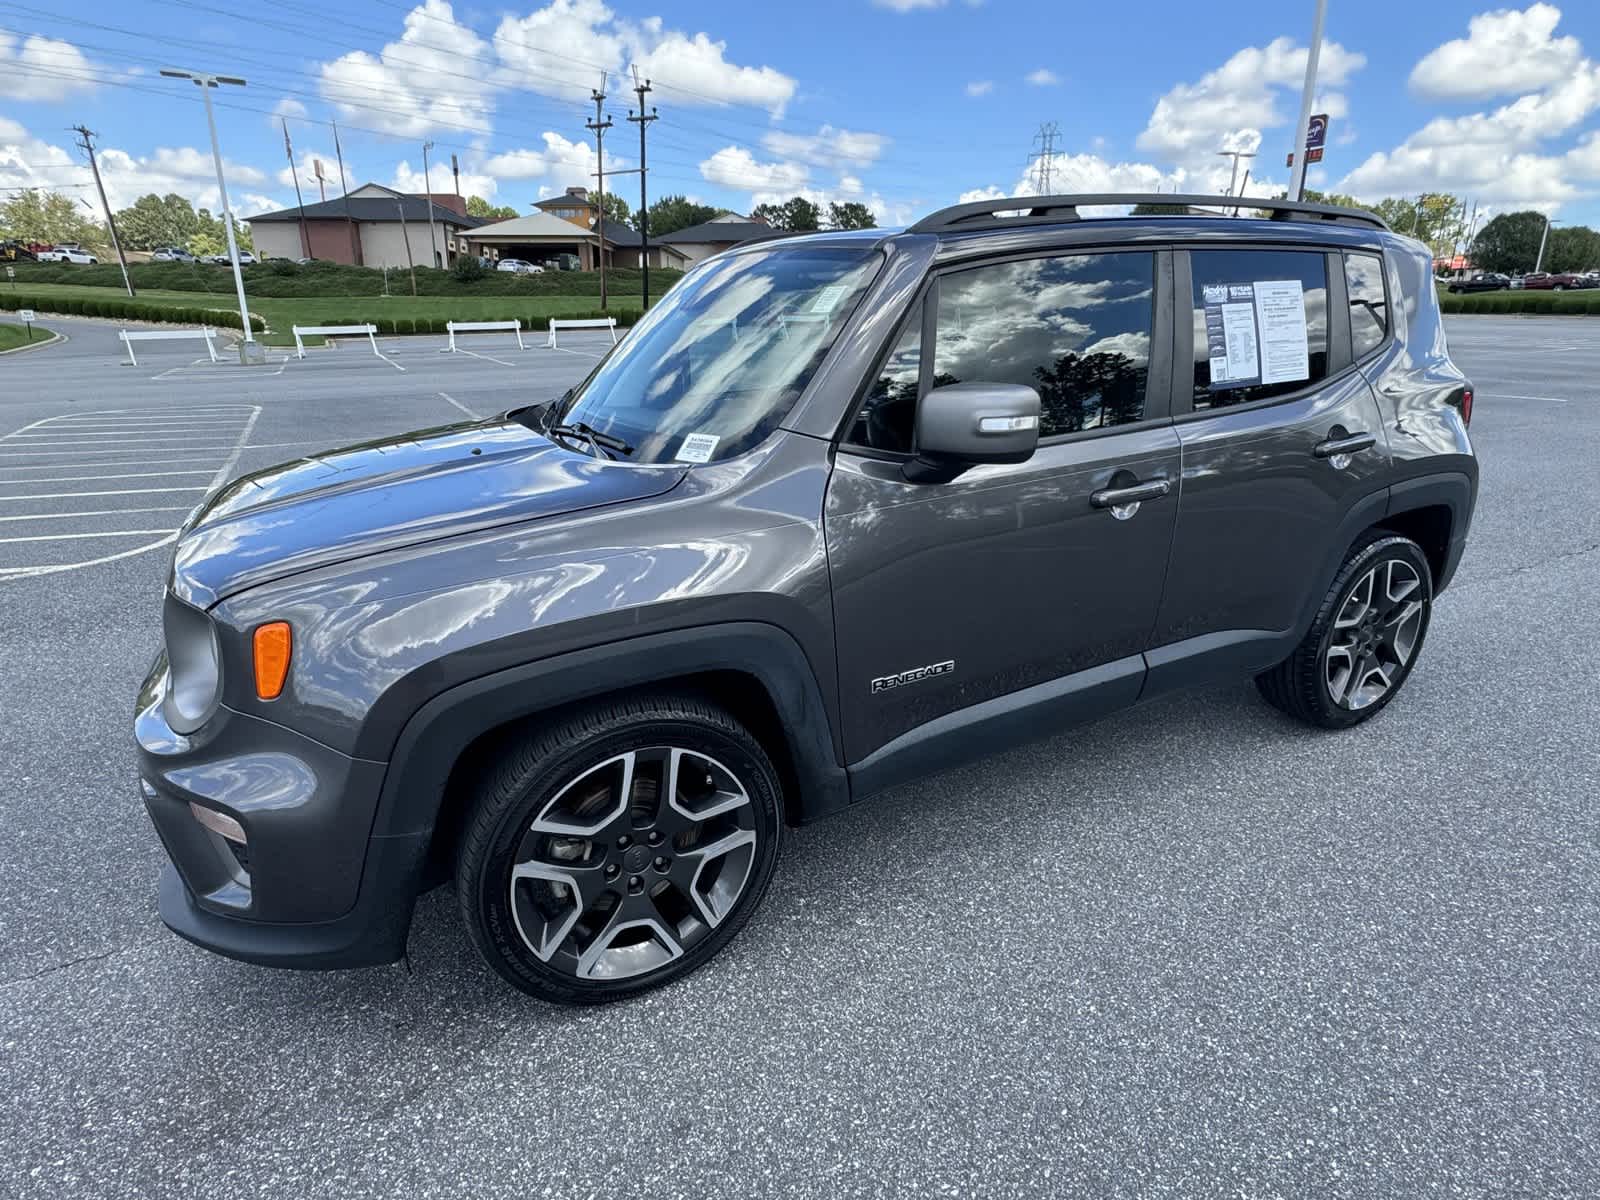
<point>697,448</point>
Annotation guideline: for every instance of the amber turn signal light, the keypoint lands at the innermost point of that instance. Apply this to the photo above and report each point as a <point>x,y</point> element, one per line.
<point>272,642</point>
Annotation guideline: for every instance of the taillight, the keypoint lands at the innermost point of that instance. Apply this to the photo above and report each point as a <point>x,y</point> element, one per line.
<point>272,643</point>
<point>1466,406</point>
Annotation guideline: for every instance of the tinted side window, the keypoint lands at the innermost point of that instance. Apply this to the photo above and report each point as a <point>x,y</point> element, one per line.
<point>1260,324</point>
<point>889,413</point>
<point>1076,328</point>
<point>1369,306</point>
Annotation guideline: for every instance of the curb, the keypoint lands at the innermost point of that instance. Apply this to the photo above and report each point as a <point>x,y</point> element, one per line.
<point>55,336</point>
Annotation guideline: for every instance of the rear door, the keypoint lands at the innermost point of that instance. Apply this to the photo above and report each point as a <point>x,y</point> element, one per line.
<point>950,594</point>
<point>1282,442</point>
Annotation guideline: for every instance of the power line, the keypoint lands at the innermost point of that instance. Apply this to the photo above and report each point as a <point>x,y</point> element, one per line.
<point>1044,161</point>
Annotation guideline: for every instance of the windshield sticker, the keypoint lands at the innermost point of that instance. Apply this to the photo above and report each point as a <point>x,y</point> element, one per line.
<point>828,298</point>
<point>697,448</point>
<point>1256,333</point>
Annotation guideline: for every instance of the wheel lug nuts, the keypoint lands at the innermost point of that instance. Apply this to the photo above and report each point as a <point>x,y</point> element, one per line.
<point>635,884</point>
<point>662,863</point>
<point>611,871</point>
<point>655,837</point>
<point>624,842</point>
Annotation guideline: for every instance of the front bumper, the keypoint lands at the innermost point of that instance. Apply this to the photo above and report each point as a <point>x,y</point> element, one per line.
<point>310,886</point>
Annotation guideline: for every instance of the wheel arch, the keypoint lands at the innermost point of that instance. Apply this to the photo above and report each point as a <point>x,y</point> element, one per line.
<point>757,671</point>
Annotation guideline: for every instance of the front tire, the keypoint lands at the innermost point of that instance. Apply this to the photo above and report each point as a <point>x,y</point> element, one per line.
<point>1364,641</point>
<point>619,848</point>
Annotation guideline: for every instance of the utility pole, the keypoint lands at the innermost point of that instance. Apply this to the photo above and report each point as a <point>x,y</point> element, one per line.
<point>1044,161</point>
<point>399,207</point>
<point>643,120</point>
<point>1538,263</point>
<point>1297,181</point>
<point>344,188</point>
<point>288,150</point>
<point>427,182</point>
<point>88,136</point>
<point>249,351</point>
<point>600,124</point>
<point>455,172</point>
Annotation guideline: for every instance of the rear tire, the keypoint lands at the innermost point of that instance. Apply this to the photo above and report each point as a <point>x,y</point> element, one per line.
<point>1364,640</point>
<point>619,848</point>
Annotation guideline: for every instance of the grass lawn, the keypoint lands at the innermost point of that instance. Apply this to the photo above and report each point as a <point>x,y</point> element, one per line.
<point>12,336</point>
<point>281,313</point>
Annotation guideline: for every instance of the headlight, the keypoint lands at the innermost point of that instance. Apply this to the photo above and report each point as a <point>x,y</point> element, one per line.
<point>195,659</point>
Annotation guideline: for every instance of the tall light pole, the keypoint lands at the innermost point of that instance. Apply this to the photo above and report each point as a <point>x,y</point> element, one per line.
<point>427,182</point>
<point>248,352</point>
<point>1543,237</point>
<point>1297,181</point>
<point>1236,155</point>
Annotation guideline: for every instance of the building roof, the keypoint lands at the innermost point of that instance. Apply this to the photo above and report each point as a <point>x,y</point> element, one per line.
<point>720,232</point>
<point>531,228</point>
<point>370,209</point>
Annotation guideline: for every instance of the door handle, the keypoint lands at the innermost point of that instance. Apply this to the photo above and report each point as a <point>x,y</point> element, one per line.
<point>1122,497</point>
<point>1351,444</point>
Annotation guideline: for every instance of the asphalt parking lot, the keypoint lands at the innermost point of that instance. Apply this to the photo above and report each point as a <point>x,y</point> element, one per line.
<point>1191,951</point>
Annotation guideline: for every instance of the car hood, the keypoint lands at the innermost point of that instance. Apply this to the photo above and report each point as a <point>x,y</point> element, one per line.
<point>382,495</point>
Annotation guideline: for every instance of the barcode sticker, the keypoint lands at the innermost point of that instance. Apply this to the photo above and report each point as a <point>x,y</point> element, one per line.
<point>697,448</point>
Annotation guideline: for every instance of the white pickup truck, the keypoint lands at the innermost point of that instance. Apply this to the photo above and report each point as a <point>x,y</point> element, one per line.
<point>70,253</point>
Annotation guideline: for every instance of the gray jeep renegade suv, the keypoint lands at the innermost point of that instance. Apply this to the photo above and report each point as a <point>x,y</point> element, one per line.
<point>841,511</point>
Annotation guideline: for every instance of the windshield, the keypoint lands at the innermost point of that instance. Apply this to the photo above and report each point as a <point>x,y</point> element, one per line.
<point>713,368</point>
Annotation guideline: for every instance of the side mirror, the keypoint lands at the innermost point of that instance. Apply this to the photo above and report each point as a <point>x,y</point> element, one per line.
<point>964,424</point>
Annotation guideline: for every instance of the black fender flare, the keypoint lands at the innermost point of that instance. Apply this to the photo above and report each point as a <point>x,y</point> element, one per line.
<point>1455,490</point>
<point>434,737</point>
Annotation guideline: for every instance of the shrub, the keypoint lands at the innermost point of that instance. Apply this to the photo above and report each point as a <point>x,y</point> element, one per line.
<point>283,268</point>
<point>467,269</point>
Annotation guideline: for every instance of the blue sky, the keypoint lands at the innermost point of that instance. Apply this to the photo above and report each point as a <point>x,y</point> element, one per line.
<point>905,105</point>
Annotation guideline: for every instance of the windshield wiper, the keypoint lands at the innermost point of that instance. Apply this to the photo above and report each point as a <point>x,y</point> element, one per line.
<point>600,441</point>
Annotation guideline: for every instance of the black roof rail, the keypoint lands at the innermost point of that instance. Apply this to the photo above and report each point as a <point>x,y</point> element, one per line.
<point>1048,210</point>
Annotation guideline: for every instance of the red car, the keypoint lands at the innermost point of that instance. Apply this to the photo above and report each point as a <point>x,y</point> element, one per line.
<point>1544,281</point>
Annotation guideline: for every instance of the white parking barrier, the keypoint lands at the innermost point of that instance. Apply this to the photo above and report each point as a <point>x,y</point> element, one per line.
<point>581,323</point>
<point>455,327</point>
<point>330,330</point>
<point>130,336</point>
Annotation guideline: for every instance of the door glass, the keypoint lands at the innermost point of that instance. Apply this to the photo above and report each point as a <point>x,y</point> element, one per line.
<point>1260,324</point>
<point>889,412</point>
<point>1076,328</point>
<point>1369,307</point>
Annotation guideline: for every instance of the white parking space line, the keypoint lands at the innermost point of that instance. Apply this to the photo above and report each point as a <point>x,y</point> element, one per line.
<point>1517,396</point>
<point>390,361</point>
<point>485,357</point>
<point>460,405</point>
<point>579,353</point>
<point>179,367</point>
<point>114,492</point>
<point>108,446</point>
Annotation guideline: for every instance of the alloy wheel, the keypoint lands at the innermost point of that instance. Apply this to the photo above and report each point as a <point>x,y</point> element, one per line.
<point>1375,634</point>
<point>633,863</point>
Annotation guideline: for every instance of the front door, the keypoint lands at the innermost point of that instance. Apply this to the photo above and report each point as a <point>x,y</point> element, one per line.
<point>950,594</point>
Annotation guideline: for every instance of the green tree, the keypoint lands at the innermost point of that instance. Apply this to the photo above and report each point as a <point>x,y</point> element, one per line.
<point>672,213</point>
<point>477,206</point>
<point>1572,248</point>
<point>1508,243</point>
<point>210,237</point>
<point>850,215</point>
<point>1433,218</point>
<point>152,221</point>
<point>616,209</point>
<point>50,217</point>
<point>797,215</point>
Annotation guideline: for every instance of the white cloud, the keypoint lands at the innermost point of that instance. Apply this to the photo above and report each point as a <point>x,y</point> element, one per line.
<point>1506,52</point>
<point>423,82</point>
<point>828,147</point>
<point>980,87</point>
<point>1043,77</point>
<point>410,179</point>
<point>41,69</point>
<point>735,167</point>
<point>289,107</point>
<point>306,160</point>
<point>569,163</point>
<point>561,49</point>
<point>1228,108</point>
<point>1502,157</point>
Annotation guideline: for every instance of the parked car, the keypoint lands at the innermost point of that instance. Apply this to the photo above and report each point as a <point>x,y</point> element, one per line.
<point>849,509</point>
<point>1559,282</point>
<point>70,253</point>
<point>519,267</point>
<point>171,254</point>
<point>1487,281</point>
<point>15,252</point>
<point>1517,282</point>
<point>246,259</point>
